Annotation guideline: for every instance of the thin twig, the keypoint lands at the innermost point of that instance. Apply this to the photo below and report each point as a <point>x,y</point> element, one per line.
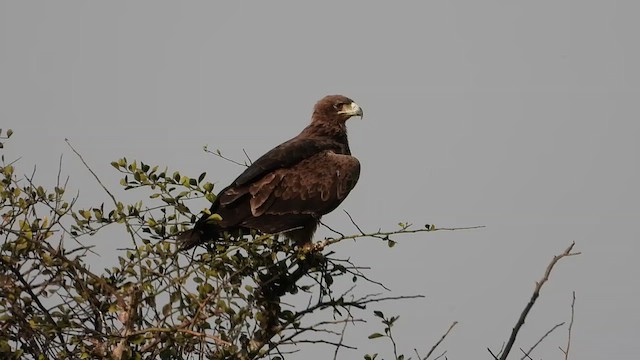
<point>115,202</point>
<point>353,222</point>
<point>218,153</point>
<point>441,355</point>
<point>534,297</point>
<point>566,351</point>
<point>526,354</point>
<point>441,340</point>
<point>247,156</point>
<point>332,229</point>
<point>340,343</point>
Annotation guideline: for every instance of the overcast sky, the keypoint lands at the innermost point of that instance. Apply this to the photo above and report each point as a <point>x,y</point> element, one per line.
<point>521,116</point>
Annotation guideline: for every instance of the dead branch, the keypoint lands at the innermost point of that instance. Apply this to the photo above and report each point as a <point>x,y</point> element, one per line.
<point>566,351</point>
<point>433,348</point>
<point>532,301</point>
<point>526,354</point>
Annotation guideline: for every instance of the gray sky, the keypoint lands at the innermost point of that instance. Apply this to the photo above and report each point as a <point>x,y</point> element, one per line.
<point>521,116</point>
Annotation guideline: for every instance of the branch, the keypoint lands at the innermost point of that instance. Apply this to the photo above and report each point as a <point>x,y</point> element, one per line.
<point>384,235</point>
<point>115,202</point>
<point>340,343</point>
<point>218,153</point>
<point>566,351</point>
<point>439,341</point>
<point>113,198</point>
<point>27,288</point>
<point>526,354</point>
<point>534,297</point>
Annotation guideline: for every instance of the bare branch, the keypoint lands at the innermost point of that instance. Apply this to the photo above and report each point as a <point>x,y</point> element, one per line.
<point>492,354</point>
<point>218,153</point>
<point>534,297</point>
<point>247,156</point>
<point>95,176</point>
<point>526,354</point>
<point>354,223</point>
<point>332,229</point>
<point>130,229</point>
<point>441,355</point>
<point>433,348</point>
<point>566,351</point>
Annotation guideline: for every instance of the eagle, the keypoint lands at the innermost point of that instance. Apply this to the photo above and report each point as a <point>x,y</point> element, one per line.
<point>288,189</point>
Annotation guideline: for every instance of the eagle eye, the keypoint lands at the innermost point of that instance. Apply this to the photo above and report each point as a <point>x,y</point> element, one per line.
<point>338,106</point>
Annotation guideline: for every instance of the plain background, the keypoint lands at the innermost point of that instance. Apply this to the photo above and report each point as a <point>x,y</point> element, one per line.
<point>521,116</point>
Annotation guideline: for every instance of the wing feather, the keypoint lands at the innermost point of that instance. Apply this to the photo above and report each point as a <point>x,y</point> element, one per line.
<point>315,186</point>
<point>286,155</point>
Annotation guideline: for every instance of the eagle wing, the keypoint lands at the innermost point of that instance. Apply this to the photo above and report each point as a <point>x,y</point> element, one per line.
<point>286,155</point>
<point>315,186</point>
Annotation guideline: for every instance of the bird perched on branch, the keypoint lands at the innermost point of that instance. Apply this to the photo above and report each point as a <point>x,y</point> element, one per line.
<point>288,189</point>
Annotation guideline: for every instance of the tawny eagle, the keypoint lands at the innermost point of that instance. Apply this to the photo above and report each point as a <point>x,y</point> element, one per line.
<point>288,189</point>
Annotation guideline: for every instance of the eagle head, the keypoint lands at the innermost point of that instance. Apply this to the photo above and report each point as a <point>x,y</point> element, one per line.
<point>337,107</point>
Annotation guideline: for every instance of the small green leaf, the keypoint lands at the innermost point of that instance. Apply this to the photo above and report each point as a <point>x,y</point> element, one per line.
<point>375,336</point>
<point>214,217</point>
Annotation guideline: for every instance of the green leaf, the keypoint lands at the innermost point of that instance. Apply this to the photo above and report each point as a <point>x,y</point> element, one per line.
<point>208,187</point>
<point>375,336</point>
<point>379,314</point>
<point>214,217</point>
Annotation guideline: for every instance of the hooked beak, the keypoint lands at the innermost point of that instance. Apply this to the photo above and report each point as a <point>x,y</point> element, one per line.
<point>352,110</point>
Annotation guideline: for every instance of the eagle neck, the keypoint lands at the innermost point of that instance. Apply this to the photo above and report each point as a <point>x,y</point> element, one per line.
<point>337,132</point>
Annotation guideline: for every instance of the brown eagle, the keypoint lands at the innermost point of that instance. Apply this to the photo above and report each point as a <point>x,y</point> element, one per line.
<point>288,189</point>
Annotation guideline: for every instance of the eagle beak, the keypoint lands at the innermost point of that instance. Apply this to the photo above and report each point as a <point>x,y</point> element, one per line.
<point>353,110</point>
